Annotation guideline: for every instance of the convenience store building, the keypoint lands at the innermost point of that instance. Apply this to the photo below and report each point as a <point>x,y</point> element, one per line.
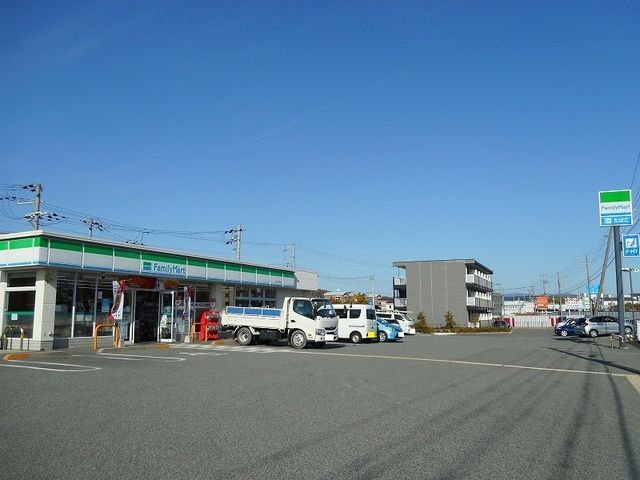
<point>57,288</point>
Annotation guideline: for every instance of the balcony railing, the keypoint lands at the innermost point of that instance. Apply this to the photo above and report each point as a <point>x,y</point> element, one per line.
<point>400,302</point>
<point>479,302</point>
<point>476,280</point>
<point>399,281</point>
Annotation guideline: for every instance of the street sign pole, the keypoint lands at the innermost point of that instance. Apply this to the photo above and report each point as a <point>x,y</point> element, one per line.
<point>618,251</point>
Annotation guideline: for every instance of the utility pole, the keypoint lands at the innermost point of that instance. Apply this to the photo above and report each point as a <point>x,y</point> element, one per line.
<point>586,262</point>
<point>373,290</point>
<point>292,248</point>
<point>544,283</point>
<point>559,294</point>
<point>236,239</point>
<point>93,222</point>
<point>293,255</point>
<point>36,213</point>
<point>602,273</point>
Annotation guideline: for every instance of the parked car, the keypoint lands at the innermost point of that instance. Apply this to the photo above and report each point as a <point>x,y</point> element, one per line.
<point>563,321</point>
<point>601,325</point>
<point>405,321</point>
<point>394,323</point>
<point>388,331</point>
<point>501,324</point>
<point>567,328</point>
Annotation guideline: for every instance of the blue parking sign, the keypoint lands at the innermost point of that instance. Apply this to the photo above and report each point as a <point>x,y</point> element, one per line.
<point>630,246</point>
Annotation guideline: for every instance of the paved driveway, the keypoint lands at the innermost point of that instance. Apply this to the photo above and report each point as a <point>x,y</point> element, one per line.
<point>525,405</point>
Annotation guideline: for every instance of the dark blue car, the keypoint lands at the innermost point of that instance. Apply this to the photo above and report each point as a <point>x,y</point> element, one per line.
<point>567,329</point>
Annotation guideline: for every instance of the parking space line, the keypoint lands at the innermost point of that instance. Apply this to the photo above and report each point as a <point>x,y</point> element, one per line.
<point>213,354</point>
<point>635,381</point>
<point>464,362</point>
<point>75,368</point>
<point>128,356</point>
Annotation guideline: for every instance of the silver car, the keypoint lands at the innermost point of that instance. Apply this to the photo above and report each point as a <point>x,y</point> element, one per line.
<point>602,325</point>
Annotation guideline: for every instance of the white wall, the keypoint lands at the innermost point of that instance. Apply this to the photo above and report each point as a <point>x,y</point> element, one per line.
<point>306,281</point>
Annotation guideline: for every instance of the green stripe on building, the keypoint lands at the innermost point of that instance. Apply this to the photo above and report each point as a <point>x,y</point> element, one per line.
<point>41,242</point>
<point>159,257</point>
<point>64,245</point>
<point>215,265</point>
<point>617,196</point>
<point>98,250</point>
<point>289,274</point>
<point>251,270</point>
<point>20,243</point>
<point>122,253</point>
<point>232,267</point>
<point>4,245</point>
<point>196,262</point>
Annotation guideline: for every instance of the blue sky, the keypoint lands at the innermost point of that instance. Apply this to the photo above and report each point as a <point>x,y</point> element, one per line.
<point>365,132</point>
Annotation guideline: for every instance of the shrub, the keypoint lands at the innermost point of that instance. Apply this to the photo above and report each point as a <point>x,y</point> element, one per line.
<point>421,324</point>
<point>449,322</point>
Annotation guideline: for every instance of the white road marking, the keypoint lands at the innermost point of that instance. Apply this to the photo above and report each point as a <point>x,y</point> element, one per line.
<point>635,381</point>
<point>463,362</point>
<point>213,354</point>
<point>75,368</point>
<point>141,357</point>
<point>111,358</point>
<point>233,348</point>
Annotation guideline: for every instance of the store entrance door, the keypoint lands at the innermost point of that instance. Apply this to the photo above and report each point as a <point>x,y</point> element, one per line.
<point>166,329</point>
<point>146,316</point>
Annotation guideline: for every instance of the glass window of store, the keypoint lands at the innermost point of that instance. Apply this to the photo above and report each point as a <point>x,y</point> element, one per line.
<point>85,305</point>
<point>104,302</point>
<point>255,297</point>
<point>64,304</point>
<point>21,300</point>
<point>202,299</point>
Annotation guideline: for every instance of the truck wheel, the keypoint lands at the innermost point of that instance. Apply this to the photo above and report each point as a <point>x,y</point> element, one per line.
<point>298,340</point>
<point>355,337</point>
<point>244,336</point>
<point>382,337</point>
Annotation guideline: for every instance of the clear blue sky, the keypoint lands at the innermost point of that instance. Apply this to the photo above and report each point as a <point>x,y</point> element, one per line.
<point>366,132</point>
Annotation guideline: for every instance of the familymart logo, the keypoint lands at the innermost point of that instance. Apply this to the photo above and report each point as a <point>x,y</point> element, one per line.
<point>164,268</point>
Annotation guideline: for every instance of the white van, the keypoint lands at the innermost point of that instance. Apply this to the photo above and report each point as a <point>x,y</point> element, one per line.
<point>402,319</point>
<point>356,322</point>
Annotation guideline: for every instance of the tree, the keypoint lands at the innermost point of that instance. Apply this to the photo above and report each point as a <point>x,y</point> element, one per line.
<point>421,324</point>
<point>356,298</point>
<point>449,322</point>
<point>474,319</point>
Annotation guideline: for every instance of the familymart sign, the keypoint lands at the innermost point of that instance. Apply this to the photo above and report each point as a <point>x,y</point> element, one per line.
<point>615,208</point>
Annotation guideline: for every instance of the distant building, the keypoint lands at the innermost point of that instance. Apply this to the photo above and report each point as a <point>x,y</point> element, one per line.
<point>498,304</point>
<point>434,287</point>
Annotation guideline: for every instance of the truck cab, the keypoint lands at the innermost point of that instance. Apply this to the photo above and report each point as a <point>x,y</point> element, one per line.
<point>326,318</point>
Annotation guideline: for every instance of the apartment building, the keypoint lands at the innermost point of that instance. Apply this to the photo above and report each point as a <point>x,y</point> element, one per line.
<point>460,286</point>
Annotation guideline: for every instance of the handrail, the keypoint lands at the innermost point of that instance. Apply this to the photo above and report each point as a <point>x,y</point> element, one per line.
<point>116,334</point>
<point>192,330</point>
<point>4,336</point>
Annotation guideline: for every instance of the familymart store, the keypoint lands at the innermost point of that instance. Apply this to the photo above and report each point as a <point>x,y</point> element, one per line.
<point>54,289</point>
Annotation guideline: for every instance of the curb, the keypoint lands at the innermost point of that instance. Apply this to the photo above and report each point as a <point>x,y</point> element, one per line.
<point>16,356</point>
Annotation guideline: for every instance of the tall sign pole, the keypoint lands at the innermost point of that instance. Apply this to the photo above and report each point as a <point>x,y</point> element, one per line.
<point>619,288</point>
<point>616,210</point>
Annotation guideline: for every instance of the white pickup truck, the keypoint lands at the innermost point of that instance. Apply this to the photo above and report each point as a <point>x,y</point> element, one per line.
<point>296,322</point>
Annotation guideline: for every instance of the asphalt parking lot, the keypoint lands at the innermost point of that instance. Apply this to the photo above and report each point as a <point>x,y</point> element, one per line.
<point>526,404</point>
